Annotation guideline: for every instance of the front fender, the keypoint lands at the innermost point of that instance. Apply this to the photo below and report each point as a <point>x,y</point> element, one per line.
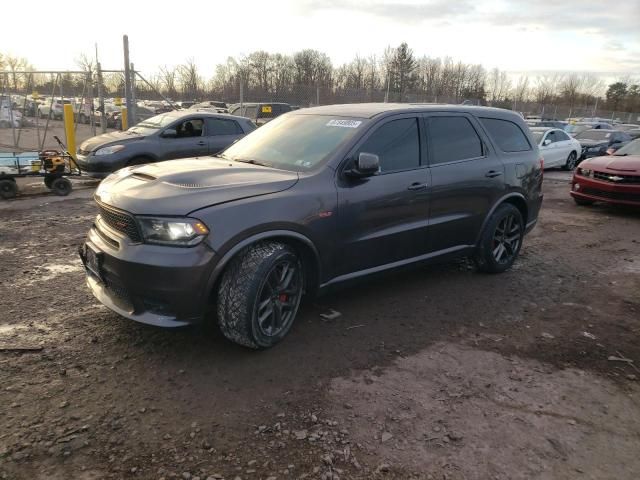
<point>237,247</point>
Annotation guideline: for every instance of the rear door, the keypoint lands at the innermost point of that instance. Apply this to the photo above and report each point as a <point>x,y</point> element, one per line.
<point>467,178</point>
<point>221,133</point>
<point>382,219</point>
<point>565,147</point>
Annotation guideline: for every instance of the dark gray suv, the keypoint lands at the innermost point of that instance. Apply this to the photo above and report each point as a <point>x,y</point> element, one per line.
<point>167,136</point>
<point>315,197</point>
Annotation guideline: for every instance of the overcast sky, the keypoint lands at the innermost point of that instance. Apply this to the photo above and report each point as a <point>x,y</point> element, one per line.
<point>518,35</point>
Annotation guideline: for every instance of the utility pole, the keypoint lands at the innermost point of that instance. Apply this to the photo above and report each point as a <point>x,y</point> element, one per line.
<point>127,80</point>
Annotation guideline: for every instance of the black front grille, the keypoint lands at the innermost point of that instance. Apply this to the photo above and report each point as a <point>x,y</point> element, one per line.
<point>120,221</point>
<point>628,197</point>
<point>617,178</point>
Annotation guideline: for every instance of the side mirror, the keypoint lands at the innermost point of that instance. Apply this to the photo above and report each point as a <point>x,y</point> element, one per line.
<point>366,165</point>
<point>169,133</point>
<point>546,142</point>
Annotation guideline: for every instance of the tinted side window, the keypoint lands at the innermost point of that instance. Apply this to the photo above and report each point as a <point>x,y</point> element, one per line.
<point>453,138</point>
<point>219,126</point>
<point>396,143</point>
<point>508,135</point>
<point>562,136</point>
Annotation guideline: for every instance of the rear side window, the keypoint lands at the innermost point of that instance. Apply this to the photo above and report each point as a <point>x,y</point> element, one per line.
<point>396,143</point>
<point>452,139</point>
<point>561,136</point>
<point>250,112</point>
<point>508,135</point>
<point>219,126</point>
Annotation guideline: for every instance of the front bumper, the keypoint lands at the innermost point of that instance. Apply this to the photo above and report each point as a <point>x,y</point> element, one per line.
<point>152,284</point>
<point>602,191</point>
<point>587,153</point>
<point>100,167</point>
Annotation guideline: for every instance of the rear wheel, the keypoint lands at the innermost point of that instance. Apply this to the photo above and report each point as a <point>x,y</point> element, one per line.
<point>61,186</point>
<point>572,159</point>
<point>83,118</point>
<point>259,295</point>
<point>8,188</point>
<point>501,240</point>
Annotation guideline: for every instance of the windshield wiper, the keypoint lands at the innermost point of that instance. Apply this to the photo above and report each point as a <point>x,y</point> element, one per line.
<point>253,161</point>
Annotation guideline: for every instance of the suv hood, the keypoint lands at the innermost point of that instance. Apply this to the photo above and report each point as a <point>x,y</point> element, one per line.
<point>179,187</point>
<point>105,139</point>
<point>615,163</point>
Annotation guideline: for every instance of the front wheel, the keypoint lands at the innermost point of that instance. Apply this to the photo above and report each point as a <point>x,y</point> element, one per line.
<point>61,186</point>
<point>501,240</point>
<point>259,295</point>
<point>572,159</point>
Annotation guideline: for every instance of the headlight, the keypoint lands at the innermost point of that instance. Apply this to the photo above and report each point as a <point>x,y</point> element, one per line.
<point>177,231</point>
<point>109,150</point>
<point>585,172</point>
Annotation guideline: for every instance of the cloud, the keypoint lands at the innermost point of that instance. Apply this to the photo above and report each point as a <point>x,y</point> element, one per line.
<point>403,12</point>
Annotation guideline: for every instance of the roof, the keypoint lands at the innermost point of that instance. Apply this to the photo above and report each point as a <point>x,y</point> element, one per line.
<point>370,110</point>
<point>543,129</point>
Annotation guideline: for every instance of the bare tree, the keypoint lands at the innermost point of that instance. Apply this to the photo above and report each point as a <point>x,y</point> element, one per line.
<point>168,80</point>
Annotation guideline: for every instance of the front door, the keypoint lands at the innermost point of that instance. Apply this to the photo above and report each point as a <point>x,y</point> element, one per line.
<point>190,140</point>
<point>383,218</point>
<point>466,178</point>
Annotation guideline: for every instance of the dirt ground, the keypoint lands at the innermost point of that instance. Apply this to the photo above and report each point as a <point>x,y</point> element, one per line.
<point>435,373</point>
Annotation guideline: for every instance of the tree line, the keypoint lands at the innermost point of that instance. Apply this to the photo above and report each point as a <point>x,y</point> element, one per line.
<point>395,75</point>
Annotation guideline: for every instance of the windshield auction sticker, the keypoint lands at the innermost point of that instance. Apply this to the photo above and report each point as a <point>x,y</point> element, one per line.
<point>344,123</point>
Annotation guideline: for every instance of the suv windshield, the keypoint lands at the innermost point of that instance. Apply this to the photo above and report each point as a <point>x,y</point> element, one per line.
<point>150,125</point>
<point>632,148</point>
<point>594,135</point>
<point>294,142</point>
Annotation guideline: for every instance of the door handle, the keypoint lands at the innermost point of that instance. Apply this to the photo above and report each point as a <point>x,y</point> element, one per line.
<point>201,143</point>
<point>492,174</point>
<point>417,186</point>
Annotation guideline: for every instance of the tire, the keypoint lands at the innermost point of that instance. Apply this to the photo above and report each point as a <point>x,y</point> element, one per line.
<point>83,118</point>
<point>572,161</point>
<point>259,295</point>
<point>8,189</point>
<point>583,202</point>
<point>61,186</point>
<point>501,240</point>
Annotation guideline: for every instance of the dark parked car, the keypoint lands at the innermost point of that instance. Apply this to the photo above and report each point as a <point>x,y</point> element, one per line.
<point>634,133</point>
<point>314,198</point>
<point>177,134</point>
<point>142,114</point>
<point>601,142</point>
<point>547,123</point>
<point>260,113</point>
<point>609,179</point>
<point>214,105</point>
<point>574,129</point>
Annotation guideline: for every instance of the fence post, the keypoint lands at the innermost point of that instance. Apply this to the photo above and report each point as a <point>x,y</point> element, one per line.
<point>127,76</point>
<point>103,116</point>
<point>317,94</point>
<point>92,122</point>
<point>134,105</point>
<point>69,131</point>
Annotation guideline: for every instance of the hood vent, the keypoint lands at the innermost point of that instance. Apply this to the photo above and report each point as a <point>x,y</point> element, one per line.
<point>143,176</point>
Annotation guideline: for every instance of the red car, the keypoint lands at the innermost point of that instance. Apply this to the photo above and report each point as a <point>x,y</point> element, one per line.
<point>611,179</point>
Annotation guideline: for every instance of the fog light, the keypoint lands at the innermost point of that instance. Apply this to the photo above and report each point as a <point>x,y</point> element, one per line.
<point>576,186</point>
